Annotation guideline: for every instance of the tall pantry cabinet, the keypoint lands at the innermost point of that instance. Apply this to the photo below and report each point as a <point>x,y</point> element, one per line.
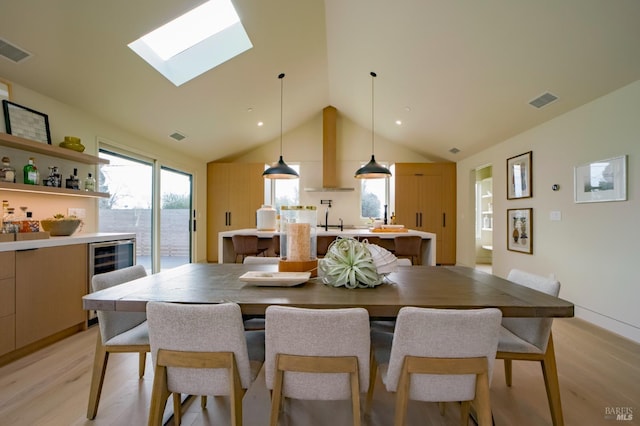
<point>425,199</point>
<point>235,191</point>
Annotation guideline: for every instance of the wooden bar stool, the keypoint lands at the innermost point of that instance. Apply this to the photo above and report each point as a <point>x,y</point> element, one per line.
<point>408,246</point>
<point>246,245</point>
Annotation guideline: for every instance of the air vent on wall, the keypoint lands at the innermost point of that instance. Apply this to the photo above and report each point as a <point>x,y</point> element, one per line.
<point>177,136</point>
<point>13,52</point>
<point>543,100</point>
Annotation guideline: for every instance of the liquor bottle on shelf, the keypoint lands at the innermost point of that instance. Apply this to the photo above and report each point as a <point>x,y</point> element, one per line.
<point>31,174</point>
<point>7,172</point>
<point>90,183</point>
<point>73,182</point>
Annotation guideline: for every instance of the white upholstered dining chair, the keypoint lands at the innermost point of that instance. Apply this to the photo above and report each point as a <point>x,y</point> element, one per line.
<point>438,355</point>
<point>316,354</point>
<point>530,339</point>
<point>201,350</point>
<point>118,332</point>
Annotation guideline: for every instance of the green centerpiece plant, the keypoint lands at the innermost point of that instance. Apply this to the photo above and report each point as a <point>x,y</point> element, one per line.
<point>355,264</point>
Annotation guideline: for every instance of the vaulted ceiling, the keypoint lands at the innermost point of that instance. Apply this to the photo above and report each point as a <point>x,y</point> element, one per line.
<point>456,73</point>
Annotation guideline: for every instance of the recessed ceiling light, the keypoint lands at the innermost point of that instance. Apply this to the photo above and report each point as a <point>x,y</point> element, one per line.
<point>260,124</point>
<point>399,122</point>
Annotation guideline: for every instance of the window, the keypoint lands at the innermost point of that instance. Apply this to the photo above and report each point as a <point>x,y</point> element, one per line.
<point>286,192</point>
<point>374,197</point>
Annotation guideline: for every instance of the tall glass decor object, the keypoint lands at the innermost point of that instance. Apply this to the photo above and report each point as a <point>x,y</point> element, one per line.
<point>298,239</point>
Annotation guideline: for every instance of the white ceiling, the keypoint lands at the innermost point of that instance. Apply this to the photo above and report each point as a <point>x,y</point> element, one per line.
<point>457,73</point>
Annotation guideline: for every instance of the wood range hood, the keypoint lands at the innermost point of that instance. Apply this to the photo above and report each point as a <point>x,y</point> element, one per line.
<point>329,162</point>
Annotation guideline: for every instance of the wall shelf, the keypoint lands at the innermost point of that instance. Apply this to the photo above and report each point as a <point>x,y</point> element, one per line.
<point>39,189</point>
<point>17,142</point>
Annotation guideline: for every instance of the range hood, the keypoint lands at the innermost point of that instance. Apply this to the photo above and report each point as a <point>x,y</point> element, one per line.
<point>329,164</point>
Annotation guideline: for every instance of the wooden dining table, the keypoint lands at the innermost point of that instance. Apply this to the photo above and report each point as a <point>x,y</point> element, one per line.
<point>453,287</point>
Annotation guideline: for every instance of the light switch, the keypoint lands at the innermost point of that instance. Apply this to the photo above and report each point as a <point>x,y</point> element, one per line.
<point>555,215</point>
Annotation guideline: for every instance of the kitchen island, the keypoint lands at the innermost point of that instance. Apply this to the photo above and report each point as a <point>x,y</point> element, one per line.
<point>227,255</point>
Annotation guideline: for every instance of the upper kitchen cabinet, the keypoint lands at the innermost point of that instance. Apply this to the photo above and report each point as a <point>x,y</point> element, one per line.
<point>425,199</point>
<point>235,192</point>
<point>27,145</point>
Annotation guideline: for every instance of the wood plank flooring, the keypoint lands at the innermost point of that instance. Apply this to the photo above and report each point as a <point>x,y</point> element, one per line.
<point>597,370</point>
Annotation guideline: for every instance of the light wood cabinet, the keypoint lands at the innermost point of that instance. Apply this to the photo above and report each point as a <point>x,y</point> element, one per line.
<point>425,199</point>
<point>50,283</point>
<point>235,191</point>
<point>7,302</point>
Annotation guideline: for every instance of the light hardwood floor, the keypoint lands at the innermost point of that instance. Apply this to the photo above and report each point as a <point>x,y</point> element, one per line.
<point>597,370</point>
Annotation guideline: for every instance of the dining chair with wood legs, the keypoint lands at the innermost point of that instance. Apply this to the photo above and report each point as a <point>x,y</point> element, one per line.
<point>530,339</point>
<point>316,354</point>
<point>201,350</point>
<point>118,332</point>
<point>438,355</point>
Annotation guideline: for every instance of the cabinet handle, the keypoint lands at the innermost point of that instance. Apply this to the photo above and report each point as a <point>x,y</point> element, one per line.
<point>229,218</point>
<point>420,219</point>
<point>444,220</point>
<point>417,220</point>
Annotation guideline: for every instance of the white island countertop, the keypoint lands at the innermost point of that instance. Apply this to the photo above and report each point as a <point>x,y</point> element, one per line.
<point>79,238</point>
<point>225,247</point>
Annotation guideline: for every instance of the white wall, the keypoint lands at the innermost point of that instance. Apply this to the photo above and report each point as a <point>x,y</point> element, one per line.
<point>68,121</point>
<point>593,250</point>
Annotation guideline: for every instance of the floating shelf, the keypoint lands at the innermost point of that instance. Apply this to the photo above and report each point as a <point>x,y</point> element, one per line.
<point>17,142</point>
<point>38,189</point>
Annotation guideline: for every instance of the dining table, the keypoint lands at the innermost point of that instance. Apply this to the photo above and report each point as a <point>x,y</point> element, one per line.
<point>451,287</point>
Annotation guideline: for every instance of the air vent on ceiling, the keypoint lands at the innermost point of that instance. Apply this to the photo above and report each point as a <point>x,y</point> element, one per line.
<point>454,150</point>
<point>13,52</point>
<point>542,100</point>
<point>177,136</point>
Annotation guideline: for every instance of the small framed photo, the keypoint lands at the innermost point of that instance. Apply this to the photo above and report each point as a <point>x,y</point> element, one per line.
<point>25,122</point>
<point>603,180</point>
<point>519,176</point>
<point>520,230</point>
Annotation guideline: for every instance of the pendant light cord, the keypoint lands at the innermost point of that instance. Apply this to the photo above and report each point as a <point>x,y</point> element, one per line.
<point>281,77</point>
<point>373,76</point>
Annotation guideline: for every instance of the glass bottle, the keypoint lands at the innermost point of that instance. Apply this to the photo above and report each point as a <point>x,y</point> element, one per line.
<point>73,182</point>
<point>7,172</point>
<point>31,174</point>
<point>90,183</point>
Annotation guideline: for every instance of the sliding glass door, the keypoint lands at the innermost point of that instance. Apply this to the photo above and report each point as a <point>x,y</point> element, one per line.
<point>175,218</point>
<point>152,202</point>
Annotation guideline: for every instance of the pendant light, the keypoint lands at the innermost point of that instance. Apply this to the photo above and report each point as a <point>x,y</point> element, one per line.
<point>280,170</point>
<point>372,170</point>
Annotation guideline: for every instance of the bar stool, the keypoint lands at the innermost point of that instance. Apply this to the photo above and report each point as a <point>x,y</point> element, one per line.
<point>275,245</point>
<point>323,243</point>
<point>246,245</point>
<point>408,246</point>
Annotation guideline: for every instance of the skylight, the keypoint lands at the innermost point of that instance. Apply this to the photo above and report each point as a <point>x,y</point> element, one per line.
<point>195,42</point>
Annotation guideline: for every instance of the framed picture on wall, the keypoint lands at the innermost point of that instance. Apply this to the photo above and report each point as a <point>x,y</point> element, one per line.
<point>5,93</point>
<point>520,230</point>
<point>26,122</point>
<point>603,180</point>
<point>519,176</point>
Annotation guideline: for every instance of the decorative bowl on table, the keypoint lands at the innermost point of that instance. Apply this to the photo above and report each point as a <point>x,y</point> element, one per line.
<point>60,226</point>
<point>72,142</point>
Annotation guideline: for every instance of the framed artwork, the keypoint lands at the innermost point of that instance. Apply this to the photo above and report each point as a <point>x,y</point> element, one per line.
<point>519,176</point>
<point>5,93</point>
<point>520,230</point>
<point>25,122</point>
<point>603,180</point>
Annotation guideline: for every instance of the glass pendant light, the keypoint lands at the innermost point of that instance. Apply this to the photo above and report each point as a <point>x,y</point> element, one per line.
<point>280,170</point>
<point>372,170</point>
